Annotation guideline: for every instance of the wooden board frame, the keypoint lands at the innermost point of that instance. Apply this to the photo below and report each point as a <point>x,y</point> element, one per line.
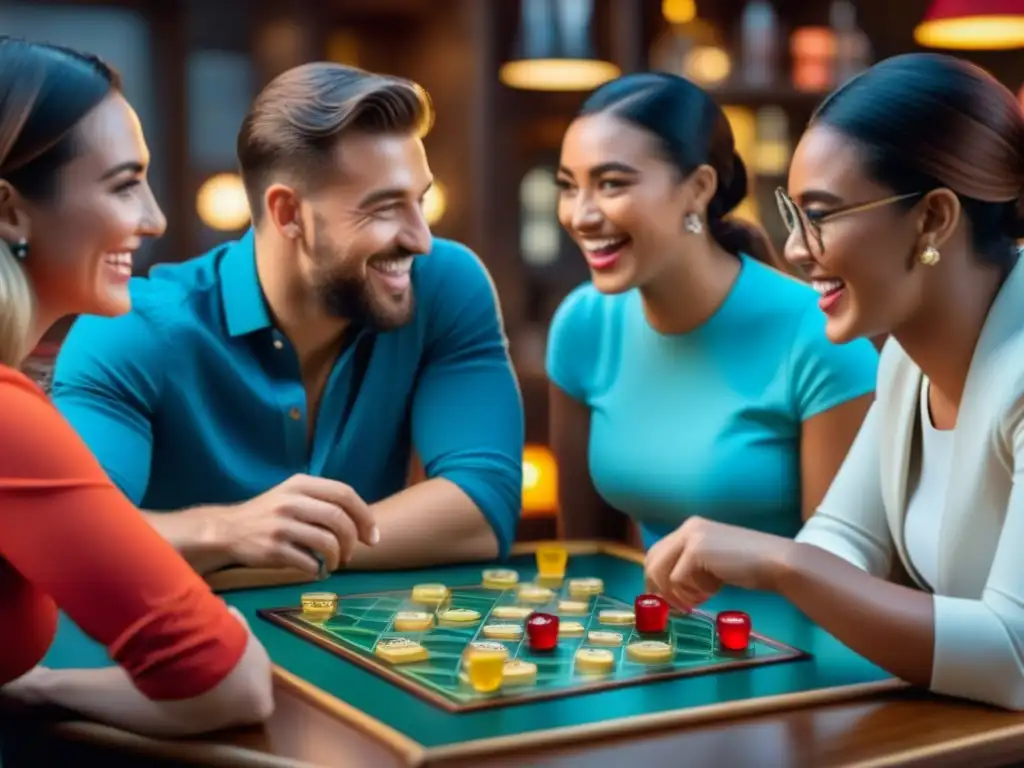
<point>415,754</point>
<point>284,618</point>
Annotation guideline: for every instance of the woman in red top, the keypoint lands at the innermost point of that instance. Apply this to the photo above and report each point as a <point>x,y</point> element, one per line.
<point>74,205</point>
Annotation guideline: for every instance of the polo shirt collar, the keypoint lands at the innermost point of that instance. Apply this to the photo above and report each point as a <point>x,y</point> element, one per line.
<point>245,308</point>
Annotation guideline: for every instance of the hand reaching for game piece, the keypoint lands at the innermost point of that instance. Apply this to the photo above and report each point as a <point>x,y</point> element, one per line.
<point>292,522</point>
<point>691,564</point>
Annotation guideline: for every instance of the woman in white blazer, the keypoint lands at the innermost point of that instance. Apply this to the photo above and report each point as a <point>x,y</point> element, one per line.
<point>904,208</point>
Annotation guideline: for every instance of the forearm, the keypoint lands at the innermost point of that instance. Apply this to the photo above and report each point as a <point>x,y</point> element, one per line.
<point>196,535</point>
<point>888,624</point>
<point>432,522</point>
<point>109,696</point>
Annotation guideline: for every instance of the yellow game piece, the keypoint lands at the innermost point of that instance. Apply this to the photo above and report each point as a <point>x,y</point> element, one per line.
<point>401,650</point>
<point>549,582</point>
<point>511,612</point>
<point>605,638</point>
<point>520,672</point>
<point>531,593</point>
<point>430,594</point>
<point>615,617</point>
<point>503,631</point>
<point>500,578</point>
<point>319,606</point>
<point>650,652</point>
<point>573,607</point>
<point>413,621</point>
<point>570,629</point>
<point>581,588</point>
<point>594,661</point>
<point>551,560</point>
<point>459,616</point>
<point>486,669</point>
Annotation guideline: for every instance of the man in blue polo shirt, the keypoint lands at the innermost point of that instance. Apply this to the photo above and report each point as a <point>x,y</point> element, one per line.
<point>261,402</point>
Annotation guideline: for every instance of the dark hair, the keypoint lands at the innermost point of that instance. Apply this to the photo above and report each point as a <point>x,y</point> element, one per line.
<point>295,123</point>
<point>45,91</point>
<point>692,130</point>
<point>927,121</point>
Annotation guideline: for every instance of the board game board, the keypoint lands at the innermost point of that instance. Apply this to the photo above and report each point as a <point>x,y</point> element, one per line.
<point>361,627</point>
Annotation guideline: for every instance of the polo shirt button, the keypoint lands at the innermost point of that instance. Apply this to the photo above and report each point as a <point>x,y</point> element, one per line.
<point>278,344</point>
<point>295,413</point>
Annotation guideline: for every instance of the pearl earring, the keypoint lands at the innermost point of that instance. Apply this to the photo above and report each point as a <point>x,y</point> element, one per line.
<point>930,256</point>
<point>19,250</point>
<point>692,224</point>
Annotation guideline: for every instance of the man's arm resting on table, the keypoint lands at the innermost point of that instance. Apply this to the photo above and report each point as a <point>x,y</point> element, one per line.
<point>198,534</point>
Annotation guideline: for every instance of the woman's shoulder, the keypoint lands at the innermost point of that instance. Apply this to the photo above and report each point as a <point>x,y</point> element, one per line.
<point>14,383</point>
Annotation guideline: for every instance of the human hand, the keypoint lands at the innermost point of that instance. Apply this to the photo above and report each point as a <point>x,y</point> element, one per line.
<point>691,564</point>
<point>292,523</point>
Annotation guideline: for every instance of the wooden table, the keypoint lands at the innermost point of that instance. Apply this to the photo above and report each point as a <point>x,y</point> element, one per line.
<point>867,724</point>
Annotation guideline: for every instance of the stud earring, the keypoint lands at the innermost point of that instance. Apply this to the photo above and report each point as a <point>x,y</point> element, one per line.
<point>692,224</point>
<point>930,256</point>
<point>19,250</point>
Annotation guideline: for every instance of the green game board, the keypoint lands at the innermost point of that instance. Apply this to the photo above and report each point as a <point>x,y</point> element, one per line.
<point>365,619</point>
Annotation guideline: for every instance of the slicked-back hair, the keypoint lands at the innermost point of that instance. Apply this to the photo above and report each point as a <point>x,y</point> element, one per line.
<point>295,124</point>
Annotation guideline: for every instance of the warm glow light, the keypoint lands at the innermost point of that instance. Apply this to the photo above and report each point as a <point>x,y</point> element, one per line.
<point>972,33</point>
<point>557,74</point>
<point>707,65</point>
<point>222,204</point>
<point>540,480</point>
<point>435,203</point>
<point>813,51</point>
<point>679,11</point>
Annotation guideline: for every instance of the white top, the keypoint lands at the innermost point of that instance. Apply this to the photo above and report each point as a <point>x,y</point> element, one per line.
<point>924,510</point>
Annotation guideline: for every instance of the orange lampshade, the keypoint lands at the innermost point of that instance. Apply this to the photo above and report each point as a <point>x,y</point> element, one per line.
<point>972,25</point>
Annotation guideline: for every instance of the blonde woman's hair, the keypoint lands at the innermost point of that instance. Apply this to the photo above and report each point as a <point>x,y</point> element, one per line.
<point>16,309</point>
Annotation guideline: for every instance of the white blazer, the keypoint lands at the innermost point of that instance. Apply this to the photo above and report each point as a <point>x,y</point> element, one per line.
<point>979,594</point>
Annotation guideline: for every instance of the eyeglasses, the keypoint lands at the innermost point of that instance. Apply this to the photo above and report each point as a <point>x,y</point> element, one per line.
<point>795,218</point>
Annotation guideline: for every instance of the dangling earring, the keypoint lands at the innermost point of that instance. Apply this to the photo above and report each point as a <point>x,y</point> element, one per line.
<point>930,256</point>
<point>692,224</point>
<point>19,250</point>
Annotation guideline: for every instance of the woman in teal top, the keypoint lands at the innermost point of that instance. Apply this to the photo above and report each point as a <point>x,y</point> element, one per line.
<point>689,377</point>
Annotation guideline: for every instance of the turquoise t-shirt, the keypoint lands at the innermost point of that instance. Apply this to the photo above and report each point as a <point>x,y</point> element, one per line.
<point>706,422</point>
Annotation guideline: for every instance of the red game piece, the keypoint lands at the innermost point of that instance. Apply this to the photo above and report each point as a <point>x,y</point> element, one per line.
<point>542,630</point>
<point>651,614</point>
<point>733,630</point>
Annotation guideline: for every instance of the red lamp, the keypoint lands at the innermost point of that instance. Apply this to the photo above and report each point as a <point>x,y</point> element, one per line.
<point>972,25</point>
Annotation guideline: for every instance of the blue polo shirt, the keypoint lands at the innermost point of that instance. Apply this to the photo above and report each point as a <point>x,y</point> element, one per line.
<point>194,397</point>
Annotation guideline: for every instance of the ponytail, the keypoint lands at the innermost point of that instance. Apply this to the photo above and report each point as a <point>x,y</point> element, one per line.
<point>16,309</point>
<point>734,235</point>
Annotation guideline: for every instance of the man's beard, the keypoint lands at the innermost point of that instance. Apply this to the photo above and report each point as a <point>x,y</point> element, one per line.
<point>347,293</point>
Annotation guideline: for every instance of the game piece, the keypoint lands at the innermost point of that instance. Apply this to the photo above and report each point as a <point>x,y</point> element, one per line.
<point>651,614</point>
<point>413,621</point>
<point>500,578</point>
<point>551,560</point>
<point>503,631</point>
<point>591,661</point>
<point>511,612</point>
<point>486,669</point>
<point>582,588</point>
<point>487,645</point>
<point>542,630</point>
<point>650,652</point>
<point>598,637</point>
<point>733,630</point>
<point>401,650</point>
<point>615,617</point>
<point>570,629</point>
<point>549,582</point>
<point>458,616</point>
<point>430,594</point>
<point>319,606</point>
<point>520,673</point>
<point>531,593</point>
<point>573,607</point>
